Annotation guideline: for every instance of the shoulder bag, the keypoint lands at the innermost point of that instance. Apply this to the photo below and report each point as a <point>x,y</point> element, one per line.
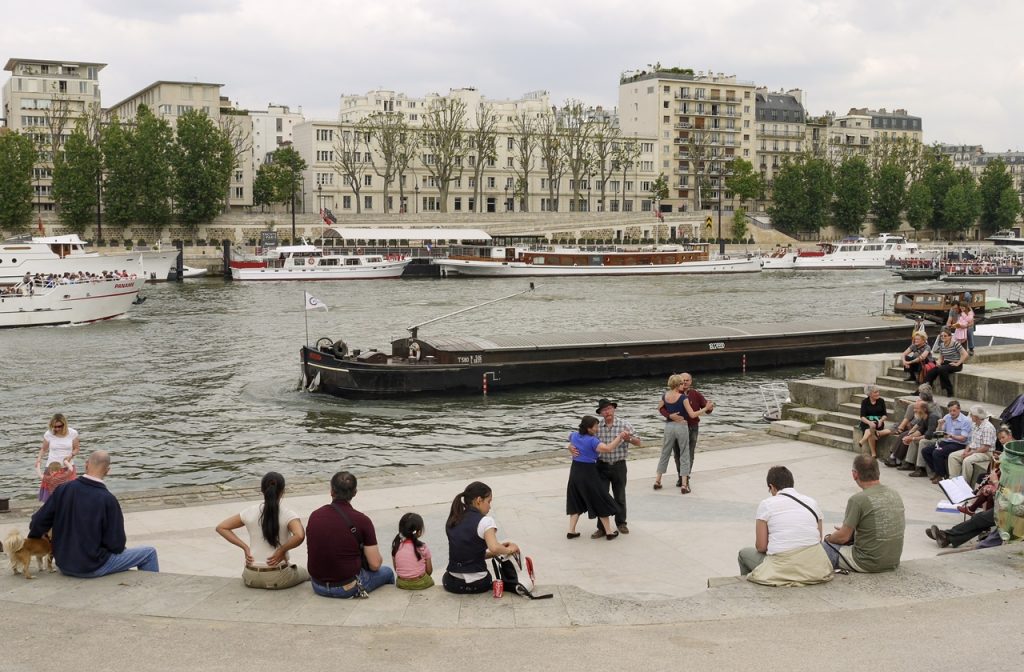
<point>355,533</point>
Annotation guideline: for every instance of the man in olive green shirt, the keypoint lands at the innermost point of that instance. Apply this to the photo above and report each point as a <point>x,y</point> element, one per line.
<point>874,523</point>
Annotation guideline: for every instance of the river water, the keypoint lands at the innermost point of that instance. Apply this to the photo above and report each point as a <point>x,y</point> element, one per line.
<point>198,385</point>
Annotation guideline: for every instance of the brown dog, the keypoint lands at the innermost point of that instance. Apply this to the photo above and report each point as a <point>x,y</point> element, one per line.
<point>21,551</point>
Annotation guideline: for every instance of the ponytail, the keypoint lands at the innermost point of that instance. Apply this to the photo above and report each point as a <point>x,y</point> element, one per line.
<point>271,486</point>
<point>409,527</point>
<point>464,500</point>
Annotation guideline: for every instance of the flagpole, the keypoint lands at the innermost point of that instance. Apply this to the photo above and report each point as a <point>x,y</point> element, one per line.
<point>305,317</point>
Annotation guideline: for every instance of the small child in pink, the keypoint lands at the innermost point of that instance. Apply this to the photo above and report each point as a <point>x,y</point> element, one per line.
<point>411,556</point>
<point>56,474</point>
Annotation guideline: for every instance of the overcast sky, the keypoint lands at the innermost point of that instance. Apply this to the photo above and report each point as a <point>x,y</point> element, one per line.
<point>958,65</point>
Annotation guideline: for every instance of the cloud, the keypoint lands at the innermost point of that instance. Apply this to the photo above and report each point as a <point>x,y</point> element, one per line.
<point>926,57</point>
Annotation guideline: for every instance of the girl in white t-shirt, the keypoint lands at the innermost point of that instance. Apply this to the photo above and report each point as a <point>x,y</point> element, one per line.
<point>273,531</point>
<point>60,445</point>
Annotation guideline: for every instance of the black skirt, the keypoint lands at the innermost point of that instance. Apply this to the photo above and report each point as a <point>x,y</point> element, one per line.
<point>587,493</point>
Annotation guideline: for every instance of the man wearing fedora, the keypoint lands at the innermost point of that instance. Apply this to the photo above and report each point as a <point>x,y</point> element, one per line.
<point>612,466</point>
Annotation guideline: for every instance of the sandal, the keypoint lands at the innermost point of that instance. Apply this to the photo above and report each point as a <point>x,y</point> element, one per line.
<point>685,490</point>
<point>657,486</point>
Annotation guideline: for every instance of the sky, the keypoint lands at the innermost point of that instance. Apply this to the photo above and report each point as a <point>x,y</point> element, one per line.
<point>956,64</point>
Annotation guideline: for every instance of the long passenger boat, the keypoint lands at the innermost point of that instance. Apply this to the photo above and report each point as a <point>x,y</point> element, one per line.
<point>853,253</point>
<point>309,262</point>
<point>38,304</point>
<point>438,364</point>
<point>533,261</point>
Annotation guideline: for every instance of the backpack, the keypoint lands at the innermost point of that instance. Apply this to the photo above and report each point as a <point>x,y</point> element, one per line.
<point>517,579</point>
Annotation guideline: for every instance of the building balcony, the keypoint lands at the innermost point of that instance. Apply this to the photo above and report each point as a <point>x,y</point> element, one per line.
<point>682,124</point>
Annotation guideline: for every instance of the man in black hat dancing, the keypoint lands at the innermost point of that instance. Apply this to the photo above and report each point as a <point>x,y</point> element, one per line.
<point>612,466</point>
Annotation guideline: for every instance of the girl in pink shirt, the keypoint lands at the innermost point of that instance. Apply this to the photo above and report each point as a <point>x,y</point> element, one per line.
<point>411,556</point>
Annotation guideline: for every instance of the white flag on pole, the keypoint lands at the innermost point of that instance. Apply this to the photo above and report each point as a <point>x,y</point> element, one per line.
<point>313,303</point>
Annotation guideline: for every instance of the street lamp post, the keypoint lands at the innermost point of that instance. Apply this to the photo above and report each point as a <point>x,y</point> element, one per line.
<point>293,209</point>
<point>320,199</point>
<point>417,190</point>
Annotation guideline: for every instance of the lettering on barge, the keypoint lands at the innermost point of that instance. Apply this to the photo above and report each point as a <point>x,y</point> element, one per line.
<point>470,359</point>
<point>718,345</point>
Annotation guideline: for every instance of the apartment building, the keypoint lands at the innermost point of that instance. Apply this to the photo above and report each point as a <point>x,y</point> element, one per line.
<point>45,99</point>
<point>321,142</point>
<point>855,131</point>
<point>272,128</point>
<point>962,156</point>
<point>780,130</point>
<point>169,100</point>
<point>1014,166</point>
<point>699,124</point>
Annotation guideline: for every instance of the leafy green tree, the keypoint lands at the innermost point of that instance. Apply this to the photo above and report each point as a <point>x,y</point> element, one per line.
<point>919,205</point>
<point>1008,210</point>
<point>263,185</point>
<point>120,186</point>
<point>993,182</point>
<point>817,177</point>
<point>788,208</point>
<point>739,223</point>
<point>939,177</point>
<point>744,182</point>
<point>75,171</point>
<point>888,195</point>
<point>203,159</point>
<point>852,194</point>
<point>17,156</point>
<point>152,148</point>
<point>659,188</point>
<point>962,205</point>
<point>286,171</point>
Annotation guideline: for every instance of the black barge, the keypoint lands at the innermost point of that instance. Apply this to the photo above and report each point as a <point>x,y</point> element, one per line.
<point>463,364</point>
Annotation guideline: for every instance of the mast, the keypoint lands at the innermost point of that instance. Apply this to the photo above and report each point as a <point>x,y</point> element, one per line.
<point>414,329</point>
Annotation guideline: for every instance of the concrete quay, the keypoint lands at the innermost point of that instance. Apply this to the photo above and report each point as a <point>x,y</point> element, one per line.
<point>646,592</point>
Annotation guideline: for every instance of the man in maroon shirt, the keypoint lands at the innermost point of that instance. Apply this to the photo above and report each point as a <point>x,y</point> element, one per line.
<point>341,544</point>
<point>700,407</point>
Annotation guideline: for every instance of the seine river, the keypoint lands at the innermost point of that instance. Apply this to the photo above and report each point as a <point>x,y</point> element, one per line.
<point>199,384</point>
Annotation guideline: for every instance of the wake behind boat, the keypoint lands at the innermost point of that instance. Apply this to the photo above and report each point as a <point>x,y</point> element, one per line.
<point>600,260</point>
<point>39,303</point>
<point>308,262</point>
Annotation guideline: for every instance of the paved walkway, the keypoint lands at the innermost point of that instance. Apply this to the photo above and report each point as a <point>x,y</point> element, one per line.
<point>657,574</point>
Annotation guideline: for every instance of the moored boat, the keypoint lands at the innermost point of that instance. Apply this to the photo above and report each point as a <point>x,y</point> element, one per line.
<point>533,261</point>
<point>851,253</point>
<point>1006,237</point>
<point>309,262</point>
<point>36,304</point>
<point>68,254</point>
<point>467,364</point>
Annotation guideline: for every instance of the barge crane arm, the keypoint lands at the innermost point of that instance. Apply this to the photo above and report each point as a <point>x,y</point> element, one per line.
<point>414,329</point>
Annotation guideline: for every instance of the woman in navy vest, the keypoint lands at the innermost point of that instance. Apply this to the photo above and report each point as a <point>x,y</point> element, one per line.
<point>472,538</point>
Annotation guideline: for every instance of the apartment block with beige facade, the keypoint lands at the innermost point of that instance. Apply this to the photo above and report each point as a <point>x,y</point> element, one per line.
<point>700,123</point>
<point>43,98</point>
<point>169,100</point>
<point>780,131</point>
<point>320,142</point>
<point>855,131</point>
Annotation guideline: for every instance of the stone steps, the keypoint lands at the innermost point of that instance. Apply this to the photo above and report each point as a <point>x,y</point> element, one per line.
<point>897,383</point>
<point>829,440</point>
<point>839,429</point>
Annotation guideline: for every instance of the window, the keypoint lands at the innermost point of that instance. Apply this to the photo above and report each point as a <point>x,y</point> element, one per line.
<point>239,176</point>
<point>665,104</point>
<point>367,181</point>
<point>472,183</point>
<point>458,204</point>
<point>346,202</point>
<point>182,109</point>
<point>239,192</point>
<point>325,178</point>
<point>280,125</point>
<point>366,157</point>
<point>510,164</point>
<point>324,155</point>
<point>508,182</point>
<point>510,143</point>
<point>322,134</point>
<point>490,183</point>
<point>367,202</point>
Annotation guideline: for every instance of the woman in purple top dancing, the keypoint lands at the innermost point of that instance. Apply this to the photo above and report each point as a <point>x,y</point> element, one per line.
<point>586,493</point>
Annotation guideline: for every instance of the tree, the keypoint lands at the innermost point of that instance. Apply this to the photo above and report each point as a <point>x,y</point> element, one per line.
<point>483,149</point>
<point>263,186</point>
<point>236,127</point>
<point>386,132</point>
<point>444,125</point>
<point>659,188</point>
<point>577,152</point>
<point>961,207</point>
<point>744,182</point>
<point>351,162</point>
<point>408,146</point>
<point>1008,209</point>
<point>852,194</point>
<point>75,171</point>
<point>995,179</point>
<point>203,160</point>
<point>152,147</point>
<point>524,146</point>
<point>605,140</point>
<point>288,167</point>
<point>625,155</point>
<point>888,194</point>
<point>550,141</point>
<point>938,176</point>
<point>788,208</point>
<point>17,156</point>
<point>817,174</point>
<point>120,183</point>
<point>739,223</point>
<point>919,205</point>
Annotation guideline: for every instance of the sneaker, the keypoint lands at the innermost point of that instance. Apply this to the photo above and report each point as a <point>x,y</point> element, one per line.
<point>940,537</point>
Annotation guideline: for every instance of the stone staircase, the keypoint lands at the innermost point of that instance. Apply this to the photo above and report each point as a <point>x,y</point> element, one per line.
<point>826,410</point>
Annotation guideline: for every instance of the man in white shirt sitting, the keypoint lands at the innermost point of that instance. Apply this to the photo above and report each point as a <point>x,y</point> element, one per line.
<point>787,544</point>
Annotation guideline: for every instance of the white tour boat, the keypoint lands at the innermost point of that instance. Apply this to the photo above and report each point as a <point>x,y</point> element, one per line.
<point>1006,237</point>
<point>41,304</point>
<point>551,261</point>
<point>67,254</point>
<point>308,262</point>
<point>854,253</point>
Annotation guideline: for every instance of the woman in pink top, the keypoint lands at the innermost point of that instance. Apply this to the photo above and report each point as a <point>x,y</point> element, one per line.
<point>412,559</point>
<point>963,323</point>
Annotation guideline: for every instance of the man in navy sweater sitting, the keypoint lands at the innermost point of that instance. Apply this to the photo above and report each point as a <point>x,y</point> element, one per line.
<point>88,526</point>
